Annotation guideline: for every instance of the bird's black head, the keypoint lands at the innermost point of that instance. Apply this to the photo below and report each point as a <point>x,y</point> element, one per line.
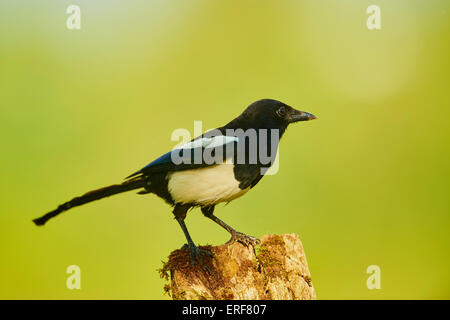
<point>270,114</point>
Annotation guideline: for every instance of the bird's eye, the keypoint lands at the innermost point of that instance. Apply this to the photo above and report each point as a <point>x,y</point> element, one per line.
<point>281,111</point>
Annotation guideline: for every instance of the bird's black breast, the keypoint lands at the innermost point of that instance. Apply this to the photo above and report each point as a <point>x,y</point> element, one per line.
<point>254,157</point>
<point>248,175</point>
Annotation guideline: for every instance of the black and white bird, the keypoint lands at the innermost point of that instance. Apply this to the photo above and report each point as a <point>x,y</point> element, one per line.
<point>218,166</point>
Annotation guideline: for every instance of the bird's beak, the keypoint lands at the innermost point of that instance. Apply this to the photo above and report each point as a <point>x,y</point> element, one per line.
<point>298,115</point>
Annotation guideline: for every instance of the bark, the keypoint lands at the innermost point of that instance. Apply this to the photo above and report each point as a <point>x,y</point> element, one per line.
<point>274,270</point>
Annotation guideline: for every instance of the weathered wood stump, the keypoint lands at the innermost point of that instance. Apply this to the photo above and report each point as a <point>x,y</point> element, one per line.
<point>274,270</point>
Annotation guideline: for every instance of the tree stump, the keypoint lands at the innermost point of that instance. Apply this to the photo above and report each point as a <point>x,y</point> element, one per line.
<point>274,270</point>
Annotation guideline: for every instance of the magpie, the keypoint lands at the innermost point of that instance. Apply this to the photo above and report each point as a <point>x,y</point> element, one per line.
<point>218,166</point>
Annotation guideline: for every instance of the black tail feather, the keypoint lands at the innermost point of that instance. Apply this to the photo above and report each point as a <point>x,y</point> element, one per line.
<point>91,196</point>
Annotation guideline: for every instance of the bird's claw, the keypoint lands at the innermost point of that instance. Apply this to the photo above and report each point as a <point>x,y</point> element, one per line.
<point>196,253</point>
<point>246,240</point>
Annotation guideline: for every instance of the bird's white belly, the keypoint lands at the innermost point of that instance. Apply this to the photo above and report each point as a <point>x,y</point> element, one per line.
<point>205,186</point>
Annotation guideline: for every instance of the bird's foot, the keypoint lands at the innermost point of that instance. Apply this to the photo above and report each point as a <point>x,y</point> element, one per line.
<point>243,238</point>
<point>196,253</point>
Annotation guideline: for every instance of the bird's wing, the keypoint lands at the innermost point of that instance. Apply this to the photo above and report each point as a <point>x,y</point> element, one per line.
<point>192,155</point>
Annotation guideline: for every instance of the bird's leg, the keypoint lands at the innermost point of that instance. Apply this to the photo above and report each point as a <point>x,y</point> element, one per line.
<point>236,236</point>
<point>194,252</point>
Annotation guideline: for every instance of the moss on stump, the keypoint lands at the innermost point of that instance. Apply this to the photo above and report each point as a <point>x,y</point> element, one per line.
<point>274,270</point>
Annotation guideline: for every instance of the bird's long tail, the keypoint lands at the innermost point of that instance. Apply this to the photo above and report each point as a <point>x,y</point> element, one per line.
<point>92,196</point>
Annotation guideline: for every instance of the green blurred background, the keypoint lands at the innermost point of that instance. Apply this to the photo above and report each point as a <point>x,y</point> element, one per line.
<point>367,183</point>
